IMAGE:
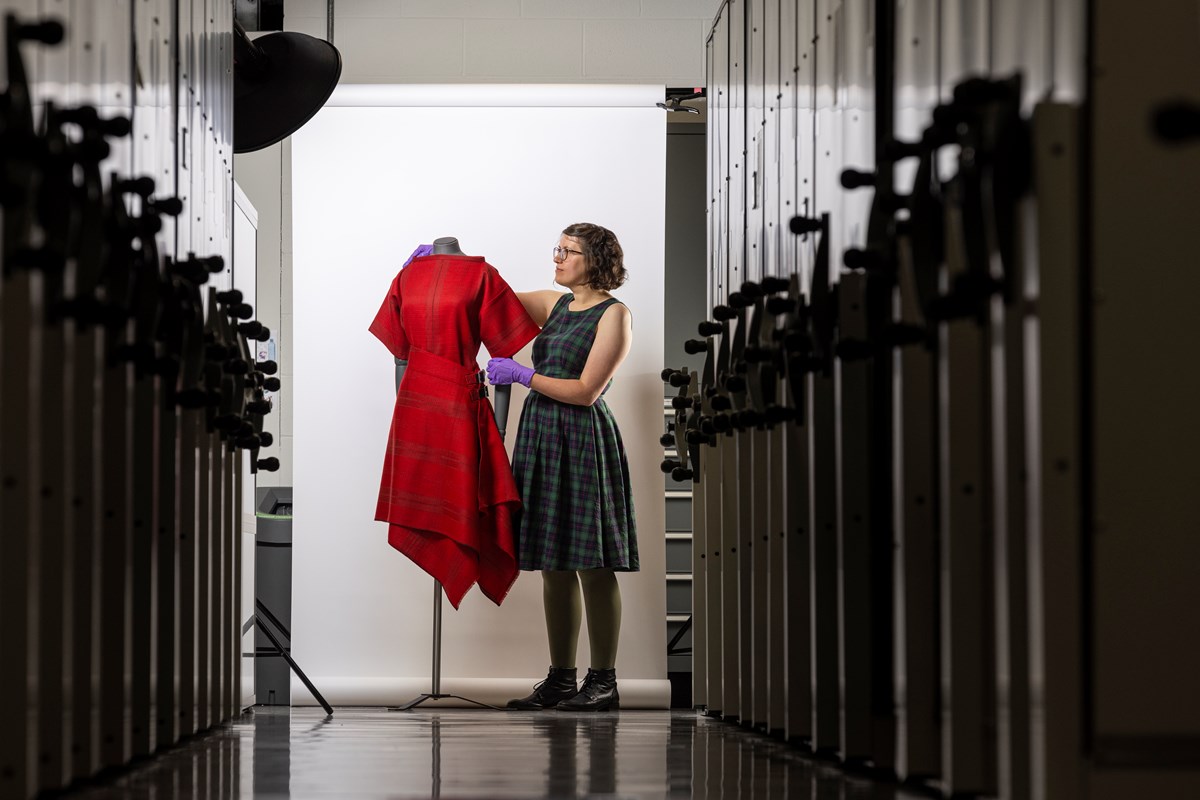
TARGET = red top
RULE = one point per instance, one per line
(447, 305)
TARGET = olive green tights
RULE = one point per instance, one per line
(602, 598)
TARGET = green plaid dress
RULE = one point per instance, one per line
(570, 464)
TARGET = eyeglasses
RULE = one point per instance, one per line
(561, 253)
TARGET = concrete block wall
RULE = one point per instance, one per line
(458, 41)
(514, 41)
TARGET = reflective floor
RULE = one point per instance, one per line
(456, 753)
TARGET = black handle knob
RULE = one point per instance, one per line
(147, 224)
(143, 186)
(802, 225)
(229, 423)
(694, 346)
(268, 368)
(1177, 121)
(92, 151)
(666, 374)
(724, 313)
(208, 264)
(681, 474)
(895, 150)
(748, 419)
(239, 310)
(722, 423)
(260, 407)
(857, 179)
(709, 328)
(666, 440)
(696, 437)
(974, 91)
(781, 305)
(266, 439)
(86, 117)
(167, 206)
(255, 331)
(268, 464)
(236, 366)
(680, 378)
(272, 384)
(735, 383)
(739, 301)
(946, 119)
(720, 402)
(679, 403)
(775, 284)
(752, 290)
(229, 297)
(668, 465)
(48, 31)
(868, 259)
(114, 127)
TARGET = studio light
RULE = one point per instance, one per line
(280, 81)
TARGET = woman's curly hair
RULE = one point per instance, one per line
(602, 255)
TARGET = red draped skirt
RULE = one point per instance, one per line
(447, 490)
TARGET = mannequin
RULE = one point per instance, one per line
(442, 443)
(444, 257)
(447, 245)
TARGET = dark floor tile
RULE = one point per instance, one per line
(458, 753)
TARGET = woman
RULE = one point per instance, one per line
(577, 526)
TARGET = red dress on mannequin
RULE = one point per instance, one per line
(447, 490)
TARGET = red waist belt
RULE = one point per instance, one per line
(447, 489)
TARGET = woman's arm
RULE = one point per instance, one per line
(539, 304)
(614, 335)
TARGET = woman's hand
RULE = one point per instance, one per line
(503, 371)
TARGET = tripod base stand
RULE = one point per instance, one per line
(261, 611)
(421, 698)
(436, 693)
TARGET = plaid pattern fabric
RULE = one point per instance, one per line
(446, 490)
(569, 463)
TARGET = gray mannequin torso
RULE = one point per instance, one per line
(447, 245)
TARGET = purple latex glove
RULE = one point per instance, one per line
(422, 250)
(501, 371)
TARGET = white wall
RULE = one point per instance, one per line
(504, 169)
(510, 41)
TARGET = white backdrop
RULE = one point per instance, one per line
(504, 169)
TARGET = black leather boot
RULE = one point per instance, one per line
(558, 686)
(598, 693)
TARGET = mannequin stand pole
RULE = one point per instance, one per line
(436, 693)
(501, 411)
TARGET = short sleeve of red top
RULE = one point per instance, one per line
(448, 305)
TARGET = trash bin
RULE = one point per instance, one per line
(273, 589)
